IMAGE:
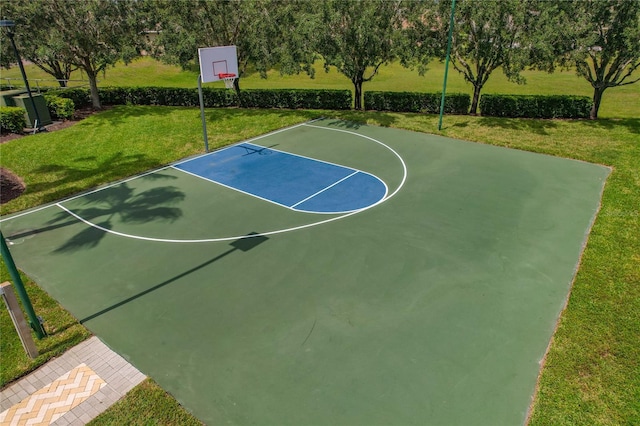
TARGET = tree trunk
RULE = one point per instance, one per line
(236, 89)
(357, 84)
(93, 87)
(476, 98)
(597, 98)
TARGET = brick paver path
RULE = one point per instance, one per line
(71, 389)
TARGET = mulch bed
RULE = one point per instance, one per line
(11, 186)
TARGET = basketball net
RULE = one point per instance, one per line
(228, 79)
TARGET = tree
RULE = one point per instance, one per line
(357, 37)
(262, 31)
(486, 36)
(33, 41)
(603, 43)
(93, 34)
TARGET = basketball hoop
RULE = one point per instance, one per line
(228, 79)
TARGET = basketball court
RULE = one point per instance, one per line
(328, 273)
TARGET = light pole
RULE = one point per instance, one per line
(9, 24)
(34, 321)
(446, 64)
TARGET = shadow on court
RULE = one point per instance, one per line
(119, 203)
(84, 168)
(123, 203)
(251, 240)
(434, 307)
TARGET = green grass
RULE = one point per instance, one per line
(591, 371)
(121, 142)
(590, 375)
(618, 102)
(146, 404)
(64, 332)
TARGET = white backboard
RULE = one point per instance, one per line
(216, 60)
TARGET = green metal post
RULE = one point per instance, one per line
(22, 293)
(202, 116)
(446, 63)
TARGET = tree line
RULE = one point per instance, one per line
(599, 39)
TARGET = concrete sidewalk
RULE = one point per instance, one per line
(71, 389)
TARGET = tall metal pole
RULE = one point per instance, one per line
(204, 121)
(446, 63)
(19, 286)
(9, 24)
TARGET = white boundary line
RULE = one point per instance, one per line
(208, 240)
(305, 157)
(231, 187)
(326, 188)
(245, 141)
(83, 194)
(404, 166)
(110, 185)
(292, 207)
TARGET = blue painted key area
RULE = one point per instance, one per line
(290, 180)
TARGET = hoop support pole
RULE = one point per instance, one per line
(204, 121)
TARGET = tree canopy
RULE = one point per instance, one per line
(261, 30)
(485, 38)
(34, 41)
(358, 37)
(90, 35)
(603, 43)
(600, 39)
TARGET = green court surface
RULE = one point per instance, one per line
(434, 306)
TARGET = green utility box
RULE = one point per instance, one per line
(24, 102)
(6, 96)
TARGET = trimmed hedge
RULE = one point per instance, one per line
(12, 119)
(535, 106)
(214, 98)
(454, 103)
(60, 108)
(296, 99)
(79, 95)
(148, 96)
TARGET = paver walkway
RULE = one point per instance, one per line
(71, 389)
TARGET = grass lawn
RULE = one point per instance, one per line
(590, 375)
(618, 102)
(64, 332)
(146, 404)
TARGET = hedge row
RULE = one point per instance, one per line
(297, 99)
(525, 106)
(12, 119)
(251, 98)
(455, 103)
(535, 106)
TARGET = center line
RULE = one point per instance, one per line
(324, 189)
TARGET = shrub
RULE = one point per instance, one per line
(455, 103)
(217, 98)
(213, 98)
(296, 99)
(60, 108)
(81, 97)
(535, 106)
(12, 119)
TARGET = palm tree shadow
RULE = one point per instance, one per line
(87, 238)
(121, 203)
